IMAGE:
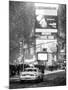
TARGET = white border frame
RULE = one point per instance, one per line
(4, 43)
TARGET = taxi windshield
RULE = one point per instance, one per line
(30, 70)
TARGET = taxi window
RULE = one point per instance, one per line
(31, 70)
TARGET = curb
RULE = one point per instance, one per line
(51, 72)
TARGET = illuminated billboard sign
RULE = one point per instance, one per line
(46, 22)
(46, 12)
(42, 56)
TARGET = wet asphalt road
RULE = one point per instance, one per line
(56, 79)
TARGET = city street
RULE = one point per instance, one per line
(37, 45)
(53, 79)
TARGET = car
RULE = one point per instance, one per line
(31, 74)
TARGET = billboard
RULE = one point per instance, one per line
(42, 56)
(49, 12)
(46, 22)
(45, 31)
(50, 45)
(43, 41)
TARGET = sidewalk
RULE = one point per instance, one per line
(46, 72)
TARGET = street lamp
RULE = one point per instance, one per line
(22, 51)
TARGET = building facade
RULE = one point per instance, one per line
(46, 29)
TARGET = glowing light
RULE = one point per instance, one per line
(39, 17)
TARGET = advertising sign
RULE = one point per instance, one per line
(46, 12)
(42, 56)
(46, 22)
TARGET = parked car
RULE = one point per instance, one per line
(31, 74)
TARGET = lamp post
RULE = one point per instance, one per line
(22, 52)
(23, 55)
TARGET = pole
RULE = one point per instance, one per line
(23, 55)
(22, 52)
